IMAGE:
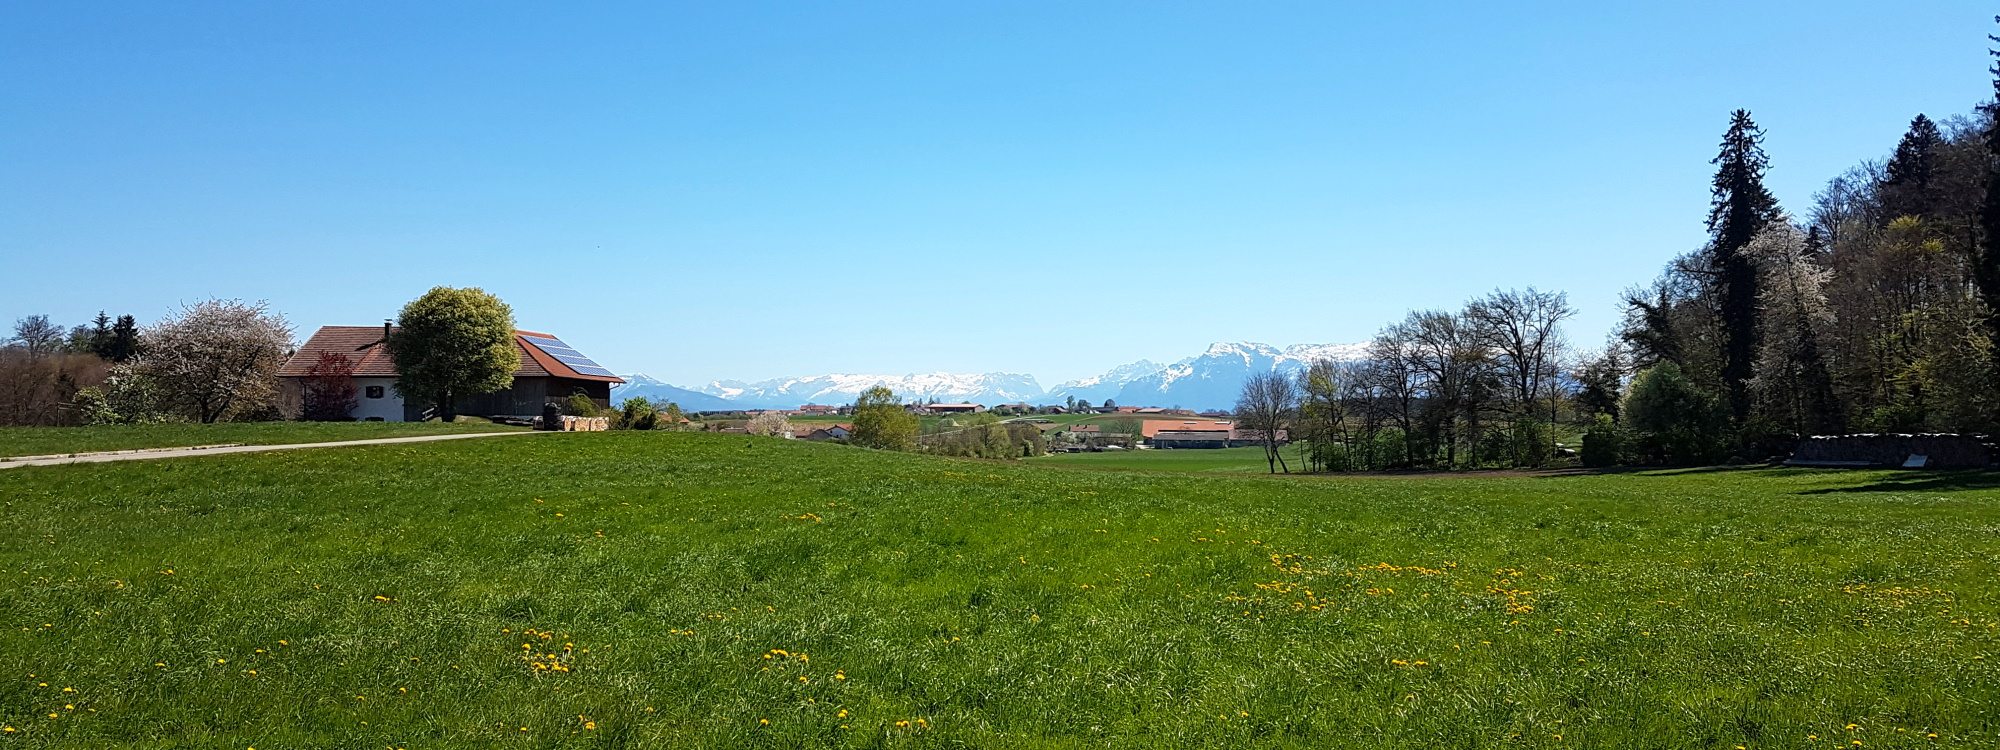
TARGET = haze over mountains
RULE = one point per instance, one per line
(1206, 381)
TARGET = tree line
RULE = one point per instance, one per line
(206, 362)
(1871, 310)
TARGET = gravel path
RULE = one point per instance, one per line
(153, 453)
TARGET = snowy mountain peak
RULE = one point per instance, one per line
(1238, 349)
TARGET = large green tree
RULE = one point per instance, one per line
(880, 421)
(1740, 208)
(453, 342)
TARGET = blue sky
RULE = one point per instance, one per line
(748, 190)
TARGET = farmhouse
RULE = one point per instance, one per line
(550, 371)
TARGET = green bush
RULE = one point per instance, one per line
(1675, 421)
(1604, 444)
(637, 414)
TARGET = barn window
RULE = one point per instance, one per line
(374, 391)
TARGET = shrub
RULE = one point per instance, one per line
(36, 389)
(1676, 421)
(1604, 444)
(637, 414)
(327, 391)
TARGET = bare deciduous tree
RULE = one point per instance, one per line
(1265, 407)
(37, 336)
(216, 358)
(1524, 328)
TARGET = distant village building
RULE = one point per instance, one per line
(1191, 439)
(1154, 427)
(818, 410)
(955, 408)
(821, 432)
(550, 371)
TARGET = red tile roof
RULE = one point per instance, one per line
(362, 344)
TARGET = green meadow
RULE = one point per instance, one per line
(1237, 460)
(676, 590)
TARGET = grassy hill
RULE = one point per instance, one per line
(674, 590)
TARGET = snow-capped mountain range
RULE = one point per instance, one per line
(790, 393)
(1210, 380)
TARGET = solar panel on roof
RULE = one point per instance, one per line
(567, 355)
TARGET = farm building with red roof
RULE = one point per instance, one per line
(550, 371)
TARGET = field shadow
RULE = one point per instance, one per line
(1921, 481)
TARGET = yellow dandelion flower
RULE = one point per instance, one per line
(763, 721)
(590, 725)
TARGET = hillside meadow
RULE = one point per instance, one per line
(671, 590)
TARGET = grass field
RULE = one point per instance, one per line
(669, 590)
(1237, 460)
(35, 441)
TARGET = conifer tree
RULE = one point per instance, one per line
(124, 340)
(1909, 187)
(1740, 208)
(1986, 269)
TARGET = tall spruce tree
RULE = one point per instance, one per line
(1740, 208)
(124, 343)
(1986, 268)
(1908, 186)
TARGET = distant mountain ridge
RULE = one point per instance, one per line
(1213, 379)
(840, 388)
(639, 385)
(1206, 381)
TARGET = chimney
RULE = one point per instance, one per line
(385, 331)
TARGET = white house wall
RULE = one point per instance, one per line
(387, 408)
